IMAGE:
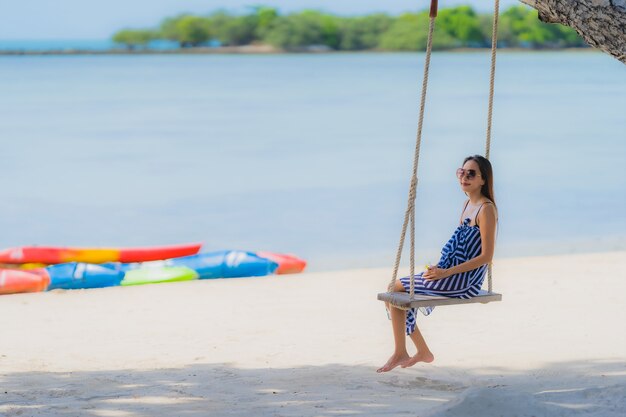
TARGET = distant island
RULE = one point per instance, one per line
(457, 27)
(266, 30)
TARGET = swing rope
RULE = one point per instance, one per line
(492, 77)
(409, 216)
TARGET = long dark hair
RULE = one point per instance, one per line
(487, 174)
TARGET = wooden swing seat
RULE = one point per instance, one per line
(404, 300)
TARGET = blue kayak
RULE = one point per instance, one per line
(73, 276)
(222, 264)
(226, 264)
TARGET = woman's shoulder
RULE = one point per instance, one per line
(487, 209)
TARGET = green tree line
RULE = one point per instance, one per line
(456, 27)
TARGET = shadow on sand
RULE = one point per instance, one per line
(589, 388)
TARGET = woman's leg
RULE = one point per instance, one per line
(398, 320)
(423, 352)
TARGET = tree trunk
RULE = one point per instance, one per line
(601, 23)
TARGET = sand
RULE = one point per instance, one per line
(309, 345)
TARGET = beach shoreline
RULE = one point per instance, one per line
(309, 345)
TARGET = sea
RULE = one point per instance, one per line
(309, 154)
(68, 45)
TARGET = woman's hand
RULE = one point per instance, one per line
(434, 273)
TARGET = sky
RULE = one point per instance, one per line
(99, 19)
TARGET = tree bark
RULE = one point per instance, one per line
(601, 23)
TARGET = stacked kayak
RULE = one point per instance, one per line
(73, 276)
(228, 264)
(158, 275)
(287, 264)
(142, 266)
(14, 281)
(57, 255)
(222, 264)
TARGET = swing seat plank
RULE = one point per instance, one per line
(403, 299)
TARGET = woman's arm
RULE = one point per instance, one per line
(487, 222)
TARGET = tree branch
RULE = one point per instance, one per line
(601, 23)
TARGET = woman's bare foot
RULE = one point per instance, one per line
(426, 357)
(395, 360)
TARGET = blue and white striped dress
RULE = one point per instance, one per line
(465, 244)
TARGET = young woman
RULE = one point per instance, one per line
(461, 269)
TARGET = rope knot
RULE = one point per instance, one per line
(413, 189)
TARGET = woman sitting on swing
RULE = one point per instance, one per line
(461, 269)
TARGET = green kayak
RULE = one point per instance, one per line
(156, 275)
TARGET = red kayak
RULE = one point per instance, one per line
(14, 281)
(287, 264)
(57, 255)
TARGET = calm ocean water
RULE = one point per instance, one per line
(309, 154)
(72, 44)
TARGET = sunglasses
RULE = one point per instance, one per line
(469, 174)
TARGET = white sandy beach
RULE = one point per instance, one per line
(309, 345)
